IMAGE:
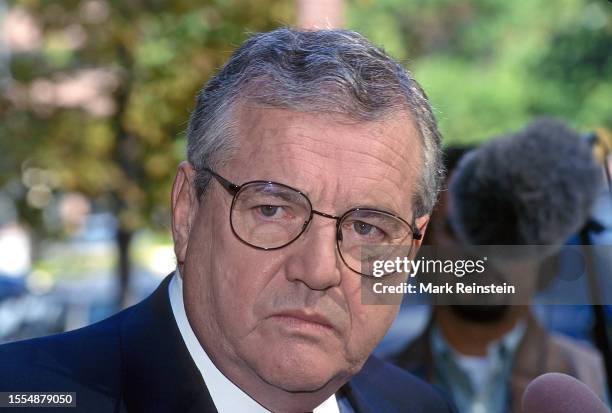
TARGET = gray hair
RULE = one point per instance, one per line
(320, 71)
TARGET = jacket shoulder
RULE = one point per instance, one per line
(585, 363)
(87, 358)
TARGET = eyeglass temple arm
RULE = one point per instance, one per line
(229, 187)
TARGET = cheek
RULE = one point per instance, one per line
(369, 324)
(221, 276)
(241, 277)
(225, 280)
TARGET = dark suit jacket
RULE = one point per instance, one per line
(136, 361)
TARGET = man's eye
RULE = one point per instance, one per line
(362, 228)
(365, 229)
(269, 210)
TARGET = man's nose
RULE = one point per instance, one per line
(315, 260)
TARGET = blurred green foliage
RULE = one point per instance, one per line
(491, 66)
(153, 56)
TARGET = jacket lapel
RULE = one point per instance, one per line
(357, 399)
(159, 374)
(367, 394)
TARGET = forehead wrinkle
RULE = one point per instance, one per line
(370, 132)
(347, 173)
(300, 156)
(393, 174)
(381, 133)
(376, 198)
(343, 155)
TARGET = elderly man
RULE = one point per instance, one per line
(306, 147)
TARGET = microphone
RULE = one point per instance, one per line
(533, 187)
(560, 393)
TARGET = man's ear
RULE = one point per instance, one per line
(184, 208)
(421, 224)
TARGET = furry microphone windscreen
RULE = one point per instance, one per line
(534, 187)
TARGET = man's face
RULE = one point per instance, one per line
(292, 317)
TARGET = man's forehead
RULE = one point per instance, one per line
(304, 148)
(272, 131)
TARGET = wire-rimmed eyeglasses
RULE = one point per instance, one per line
(269, 215)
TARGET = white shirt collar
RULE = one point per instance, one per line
(228, 397)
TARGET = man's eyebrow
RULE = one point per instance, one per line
(283, 193)
(384, 207)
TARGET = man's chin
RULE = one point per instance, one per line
(299, 371)
(298, 383)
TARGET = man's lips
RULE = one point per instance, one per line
(303, 319)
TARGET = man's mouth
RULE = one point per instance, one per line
(303, 320)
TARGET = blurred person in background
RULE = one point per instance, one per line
(533, 187)
(439, 228)
(305, 147)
